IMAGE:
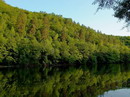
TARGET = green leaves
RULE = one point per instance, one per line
(29, 52)
(121, 8)
(31, 38)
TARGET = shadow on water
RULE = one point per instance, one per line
(63, 82)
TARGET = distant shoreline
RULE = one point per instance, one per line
(7, 66)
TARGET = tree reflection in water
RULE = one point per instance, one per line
(59, 82)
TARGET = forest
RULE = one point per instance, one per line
(37, 38)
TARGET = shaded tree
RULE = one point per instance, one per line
(121, 8)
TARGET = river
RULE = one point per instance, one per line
(101, 81)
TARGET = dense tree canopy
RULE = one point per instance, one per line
(121, 8)
(31, 38)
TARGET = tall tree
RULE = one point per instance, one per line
(21, 22)
(45, 28)
(32, 28)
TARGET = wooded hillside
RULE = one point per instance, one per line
(33, 38)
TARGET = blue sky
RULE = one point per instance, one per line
(81, 11)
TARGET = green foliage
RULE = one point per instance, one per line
(31, 38)
(121, 8)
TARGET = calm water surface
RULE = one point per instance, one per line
(107, 81)
(117, 93)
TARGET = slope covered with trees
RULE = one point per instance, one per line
(32, 38)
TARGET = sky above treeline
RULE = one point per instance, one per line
(82, 11)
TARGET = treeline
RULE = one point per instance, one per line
(32, 38)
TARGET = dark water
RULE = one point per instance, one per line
(100, 81)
